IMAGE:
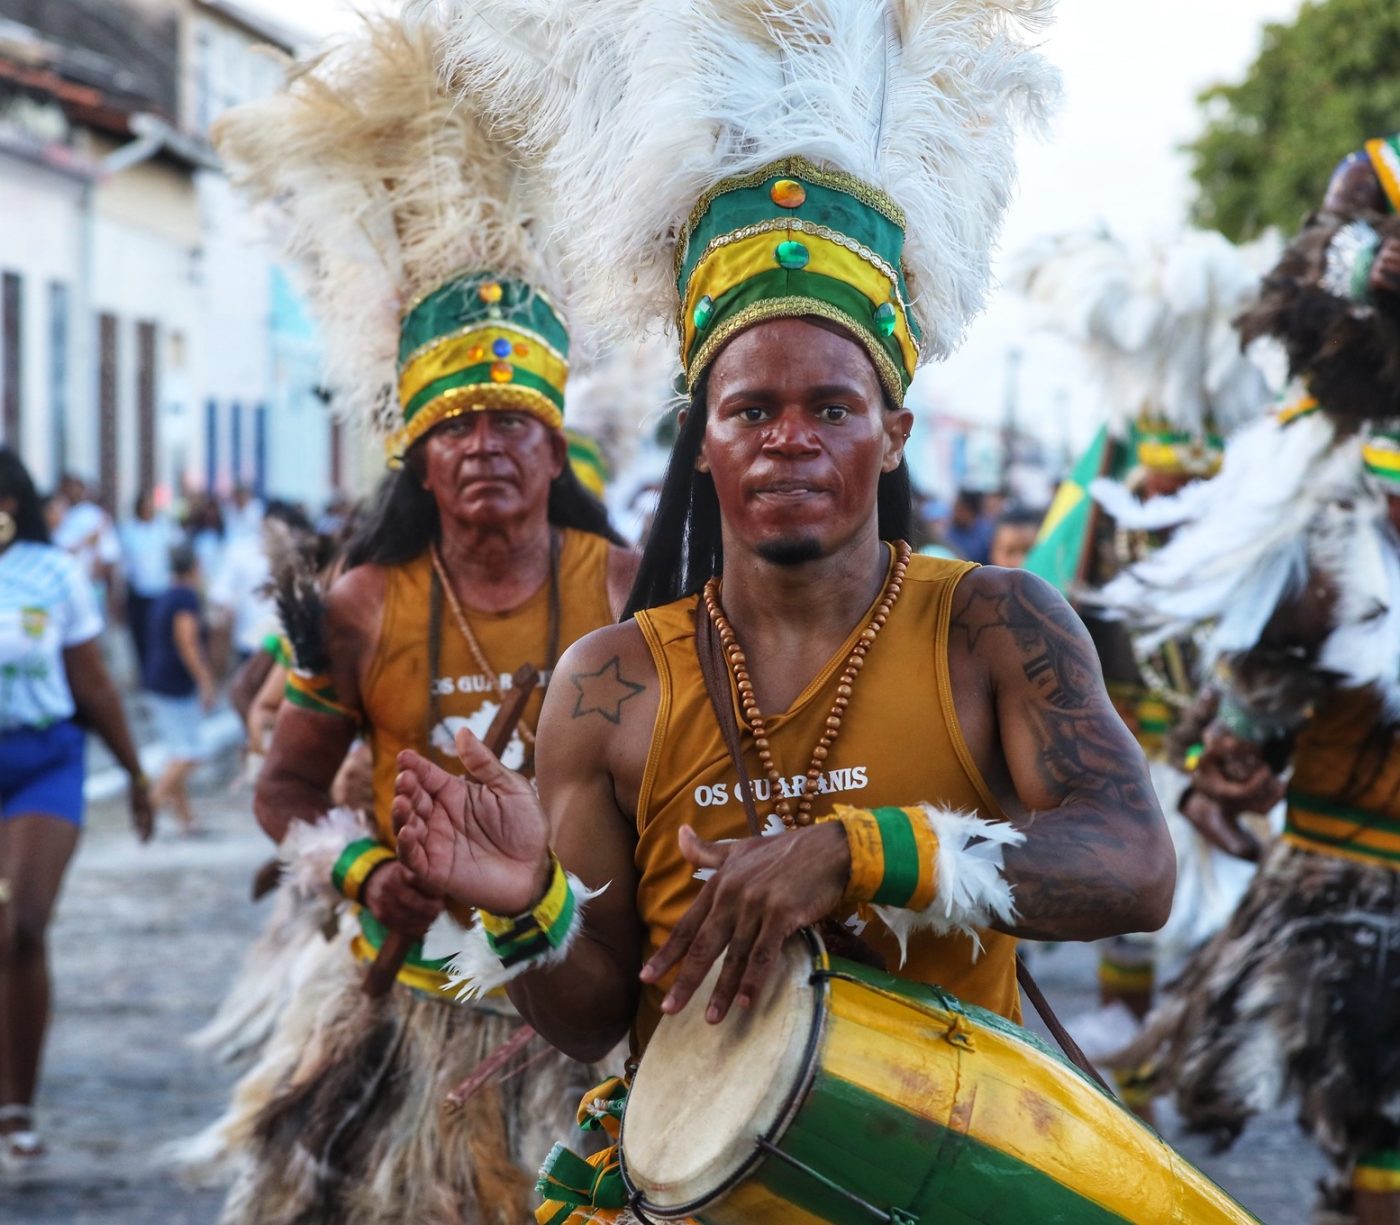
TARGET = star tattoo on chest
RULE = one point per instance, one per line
(604, 691)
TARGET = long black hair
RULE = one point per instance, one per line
(402, 520)
(685, 548)
(15, 482)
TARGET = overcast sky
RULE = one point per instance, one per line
(1132, 71)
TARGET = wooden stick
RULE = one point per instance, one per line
(394, 951)
(489, 1066)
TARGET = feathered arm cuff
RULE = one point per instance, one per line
(928, 868)
(497, 949)
(1350, 256)
(339, 845)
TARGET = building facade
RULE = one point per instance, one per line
(147, 340)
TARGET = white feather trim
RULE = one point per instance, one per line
(1153, 515)
(475, 970)
(1246, 546)
(1362, 555)
(637, 107)
(383, 185)
(309, 850)
(972, 892)
(619, 396)
(1156, 323)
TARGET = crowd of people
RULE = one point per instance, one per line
(562, 818)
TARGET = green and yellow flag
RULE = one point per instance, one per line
(1059, 553)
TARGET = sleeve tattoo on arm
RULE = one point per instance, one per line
(604, 691)
(1083, 756)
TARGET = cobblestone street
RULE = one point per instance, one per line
(147, 938)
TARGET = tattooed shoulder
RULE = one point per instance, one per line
(603, 692)
(1000, 609)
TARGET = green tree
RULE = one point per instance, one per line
(1320, 88)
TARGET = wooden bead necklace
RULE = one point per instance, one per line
(801, 813)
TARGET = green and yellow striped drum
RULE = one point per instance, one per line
(849, 1097)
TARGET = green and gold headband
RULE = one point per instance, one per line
(478, 342)
(789, 240)
(1380, 454)
(1161, 447)
(588, 462)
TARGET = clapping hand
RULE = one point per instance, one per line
(481, 840)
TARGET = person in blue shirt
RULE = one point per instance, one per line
(179, 681)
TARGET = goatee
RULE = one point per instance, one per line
(797, 551)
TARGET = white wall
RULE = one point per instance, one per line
(40, 244)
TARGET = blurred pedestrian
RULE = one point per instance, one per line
(86, 532)
(970, 528)
(204, 526)
(244, 515)
(52, 679)
(240, 589)
(180, 682)
(146, 540)
(1012, 538)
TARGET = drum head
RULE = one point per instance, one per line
(704, 1094)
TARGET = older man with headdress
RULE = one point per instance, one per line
(421, 247)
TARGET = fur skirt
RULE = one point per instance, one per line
(343, 1117)
(1296, 998)
(291, 945)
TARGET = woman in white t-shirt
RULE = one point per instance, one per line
(52, 678)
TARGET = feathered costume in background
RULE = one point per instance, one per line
(1299, 996)
(418, 243)
(719, 163)
(1155, 326)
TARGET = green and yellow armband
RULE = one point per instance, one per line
(894, 856)
(538, 932)
(315, 692)
(497, 949)
(355, 864)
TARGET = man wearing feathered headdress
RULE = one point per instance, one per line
(810, 192)
(420, 244)
(1288, 569)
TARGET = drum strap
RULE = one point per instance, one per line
(715, 671)
(1056, 1027)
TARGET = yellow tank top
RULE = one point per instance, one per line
(899, 744)
(395, 695)
(1344, 796)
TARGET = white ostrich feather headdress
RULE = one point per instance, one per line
(894, 119)
(417, 238)
(1156, 324)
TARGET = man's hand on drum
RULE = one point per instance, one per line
(482, 840)
(762, 891)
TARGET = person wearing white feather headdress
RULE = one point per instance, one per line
(809, 193)
(1155, 326)
(1289, 570)
(421, 246)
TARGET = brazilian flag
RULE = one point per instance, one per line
(1059, 554)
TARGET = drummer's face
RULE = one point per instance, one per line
(797, 435)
